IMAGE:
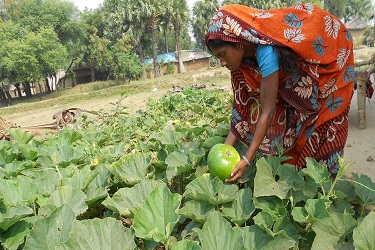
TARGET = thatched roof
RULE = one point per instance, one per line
(356, 24)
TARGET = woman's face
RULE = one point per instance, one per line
(229, 56)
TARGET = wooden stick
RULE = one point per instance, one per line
(361, 98)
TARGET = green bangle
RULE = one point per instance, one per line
(246, 160)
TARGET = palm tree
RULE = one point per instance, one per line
(126, 16)
(151, 11)
(203, 11)
(259, 4)
(178, 11)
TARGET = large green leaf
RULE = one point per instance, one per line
(211, 189)
(285, 227)
(196, 155)
(264, 221)
(8, 153)
(66, 154)
(79, 178)
(240, 210)
(70, 135)
(364, 188)
(303, 189)
(127, 200)
(272, 205)
(15, 235)
(196, 210)
(107, 233)
(300, 215)
(52, 230)
(168, 136)
(186, 245)
(66, 195)
(20, 136)
(267, 182)
(318, 208)
(97, 188)
(95, 195)
(157, 217)
(15, 168)
(218, 234)
(132, 169)
(12, 193)
(317, 171)
(332, 230)
(178, 162)
(212, 141)
(46, 180)
(281, 242)
(255, 238)
(11, 215)
(30, 152)
(364, 234)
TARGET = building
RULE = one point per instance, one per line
(191, 59)
(357, 28)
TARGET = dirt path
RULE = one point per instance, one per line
(360, 146)
(45, 116)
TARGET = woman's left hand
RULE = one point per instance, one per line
(238, 171)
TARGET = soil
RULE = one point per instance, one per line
(360, 147)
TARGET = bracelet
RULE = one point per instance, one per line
(246, 160)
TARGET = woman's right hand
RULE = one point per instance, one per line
(238, 171)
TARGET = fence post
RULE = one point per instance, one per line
(361, 98)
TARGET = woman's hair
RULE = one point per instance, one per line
(288, 59)
(217, 44)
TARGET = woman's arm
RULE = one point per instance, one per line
(268, 98)
(231, 139)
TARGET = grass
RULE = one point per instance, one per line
(105, 89)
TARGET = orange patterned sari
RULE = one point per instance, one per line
(311, 117)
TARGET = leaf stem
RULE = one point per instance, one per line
(362, 209)
(358, 183)
(58, 170)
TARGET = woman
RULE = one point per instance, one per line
(292, 74)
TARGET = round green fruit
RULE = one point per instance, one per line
(222, 159)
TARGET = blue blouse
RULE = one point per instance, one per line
(267, 59)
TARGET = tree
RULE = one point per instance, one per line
(96, 51)
(259, 4)
(10, 9)
(97, 54)
(127, 65)
(178, 11)
(126, 16)
(59, 14)
(335, 7)
(152, 9)
(203, 11)
(357, 8)
(28, 56)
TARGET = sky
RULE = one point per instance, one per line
(92, 4)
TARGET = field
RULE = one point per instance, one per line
(135, 173)
(360, 148)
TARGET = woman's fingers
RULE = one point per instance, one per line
(237, 171)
